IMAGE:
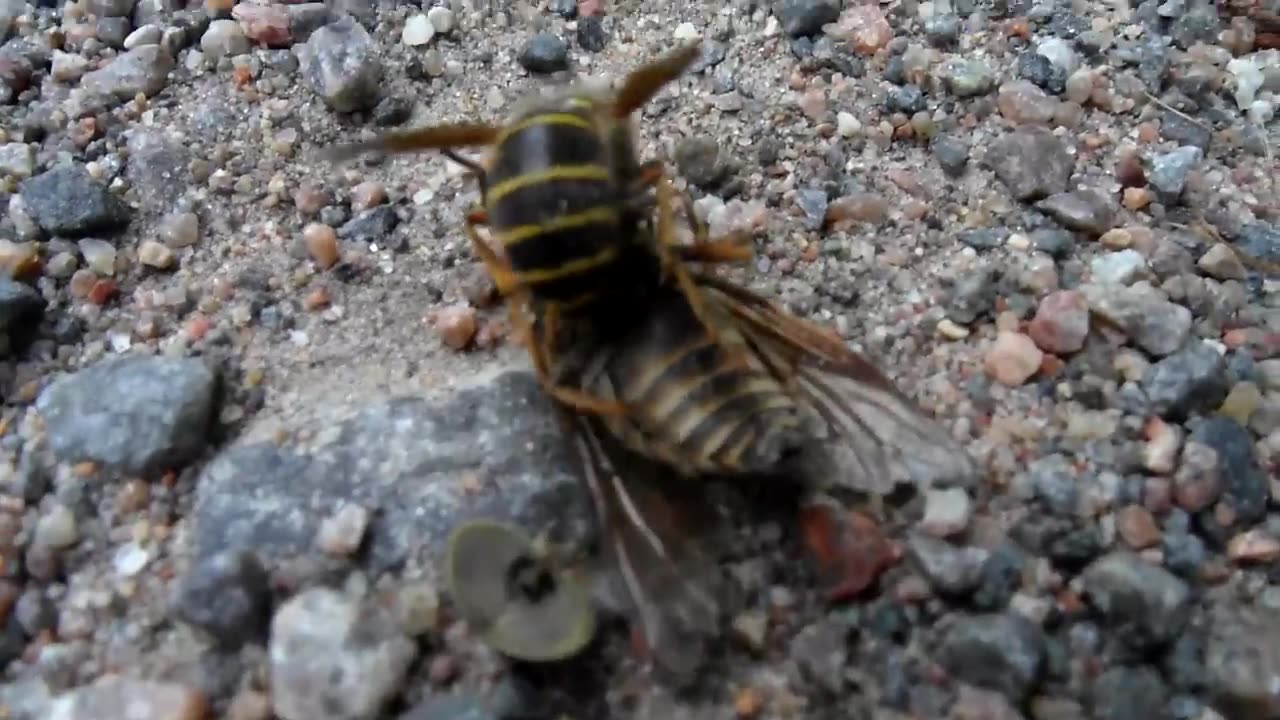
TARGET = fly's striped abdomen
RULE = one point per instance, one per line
(552, 203)
(693, 401)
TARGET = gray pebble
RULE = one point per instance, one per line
(1124, 693)
(227, 596)
(951, 152)
(1085, 210)
(1145, 605)
(341, 62)
(67, 201)
(1168, 172)
(1003, 652)
(803, 18)
(814, 204)
(1188, 381)
(370, 226)
(138, 414)
(335, 656)
(953, 572)
(544, 53)
(144, 70)
(1032, 162)
(592, 37)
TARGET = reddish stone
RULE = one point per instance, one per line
(849, 548)
(265, 24)
(1061, 323)
(101, 292)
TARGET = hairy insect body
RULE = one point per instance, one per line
(698, 401)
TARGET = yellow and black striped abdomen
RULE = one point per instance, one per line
(693, 401)
(553, 203)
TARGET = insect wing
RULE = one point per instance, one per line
(875, 436)
(669, 581)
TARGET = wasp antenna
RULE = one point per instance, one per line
(645, 82)
(438, 137)
(346, 152)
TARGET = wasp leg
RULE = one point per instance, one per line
(732, 247)
(503, 277)
(482, 178)
(672, 263)
(719, 250)
(542, 351)
(509, 286)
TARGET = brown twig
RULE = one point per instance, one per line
(1176, 111)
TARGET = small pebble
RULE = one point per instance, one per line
(1221, 263)
(1061, 323)
(341, 533)
(441, 19)
(751, 629)
(322, 244)
(179, 230)
(1013, 358)
(946, 512)
(367, 195)
(456, 326)
(1160, 453)
(156, 254)
(57, 528)
(847, 125)
(417, 31)
(687, 31)
(1137, 527)
(1253, 546)
(952, 331)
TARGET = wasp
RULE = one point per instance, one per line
(560, 191)
(761, 393)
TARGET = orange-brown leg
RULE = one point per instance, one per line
(672, 262)
(542, 350)
(733, 247)
(503, 277)
(509, 286)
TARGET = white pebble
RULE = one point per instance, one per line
(145, 35)
(847, 125)
(67, 67)
(130, 559)
(56, 529)
(686, 31)
(1261, 112)
(99, 255)
(1249, 79)
(1059, 54)
(180, 230)
(195, 61)
(224, 38)
(441, 19)
(418, 31)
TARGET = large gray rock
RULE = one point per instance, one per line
(421, 465)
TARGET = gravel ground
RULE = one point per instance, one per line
(247, 394)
